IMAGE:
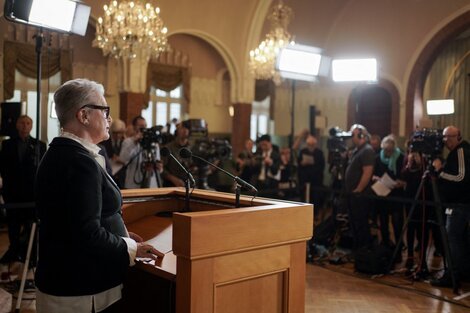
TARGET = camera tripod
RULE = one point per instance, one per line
(429, 175)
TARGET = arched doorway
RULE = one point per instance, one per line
(376, 107)
(373, 107)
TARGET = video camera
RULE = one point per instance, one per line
(336, 142)
(211, 149)
(337, 147)
(428, 142)
(153, 136)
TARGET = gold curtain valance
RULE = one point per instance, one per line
(168, 77)
(23, 57)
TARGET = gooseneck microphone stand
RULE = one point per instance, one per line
(186, 154)
(189, 177)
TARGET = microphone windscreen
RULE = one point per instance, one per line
(164, 152)
(185, 153)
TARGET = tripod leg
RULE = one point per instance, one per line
(405, 225)
(444, 237)
(26, 266)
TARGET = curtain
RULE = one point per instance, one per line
(168, 77)
(448, 78)
(23, 57)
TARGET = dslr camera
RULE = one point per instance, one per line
(428, 142)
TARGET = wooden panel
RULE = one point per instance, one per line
(297, 277)
(251, 263)
(265, 294)
(194, 287)
(200, 234)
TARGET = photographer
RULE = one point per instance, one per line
(357, 181)
(454, 183)
(266, 167)
(140, 172)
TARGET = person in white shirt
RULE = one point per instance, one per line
(141, 172)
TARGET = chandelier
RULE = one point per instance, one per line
(263, 59)
(130, 28)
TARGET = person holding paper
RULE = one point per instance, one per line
(388, 166)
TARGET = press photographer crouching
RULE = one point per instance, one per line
(454, 183)
(141, 155)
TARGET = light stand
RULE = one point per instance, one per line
(292, 132)
(297, 62)
(65, 16)
(70, 17)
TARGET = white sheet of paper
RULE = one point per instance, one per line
(384, 185)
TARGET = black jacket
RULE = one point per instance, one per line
(454, 180)
(18, 174)
(81, 251)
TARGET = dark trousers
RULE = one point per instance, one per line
(457, 228)
(392, 209)
(19, 222)
(358, 210)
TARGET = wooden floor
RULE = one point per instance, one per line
(330, 288)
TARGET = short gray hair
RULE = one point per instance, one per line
(74, 94)
(389, 141)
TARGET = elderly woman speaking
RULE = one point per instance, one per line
(84, 246)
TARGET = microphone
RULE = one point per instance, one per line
(185, 153)
(166, 152)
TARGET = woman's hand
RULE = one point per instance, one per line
(144, 250)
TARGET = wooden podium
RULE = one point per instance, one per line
(218, 259)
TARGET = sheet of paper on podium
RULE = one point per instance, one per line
(384, 185)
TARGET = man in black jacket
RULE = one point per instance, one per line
(19, 160)
(454, 183)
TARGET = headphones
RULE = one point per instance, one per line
(360, 134)
(362, 131)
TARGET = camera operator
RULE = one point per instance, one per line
(172, 171)
(454, 183)
(140, 173)
(357, 181)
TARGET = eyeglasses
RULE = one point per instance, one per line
(449, 136)
(105, 109)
